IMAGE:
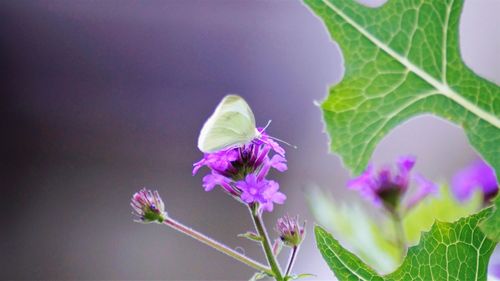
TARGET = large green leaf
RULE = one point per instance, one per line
(458, 251)
(401, 60)
(491, 224)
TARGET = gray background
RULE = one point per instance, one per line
(100, 98)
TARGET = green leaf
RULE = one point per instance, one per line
(401, 60)
(258, 276)
(299, 276)
(343, 263)
(449, 251)
(251, 236)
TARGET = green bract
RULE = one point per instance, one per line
(401, 60)
(458, 251)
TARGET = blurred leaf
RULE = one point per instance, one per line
(370, 237)
(449, 251)
(443, 207)
(354, 226)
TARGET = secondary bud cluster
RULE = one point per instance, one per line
(148, 206)
(290, 231)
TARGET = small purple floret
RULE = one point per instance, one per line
(261, 191)
(476, 176)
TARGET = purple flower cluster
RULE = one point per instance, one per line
(478, 175)
(241, 171)
(386, 187)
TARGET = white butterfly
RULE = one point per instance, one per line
(231, 124)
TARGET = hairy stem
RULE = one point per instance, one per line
(217, 246)
(261, 230)
(291, 261)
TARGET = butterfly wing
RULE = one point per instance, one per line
(232, 123)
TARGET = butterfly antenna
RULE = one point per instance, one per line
(276, 139)
(263, 129)
(282, 141)
(267, 125)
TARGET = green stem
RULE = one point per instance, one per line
(217, 246)
(291, 261)
(400, 234)
(261, 230)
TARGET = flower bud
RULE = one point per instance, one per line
(148, 206)
(290, 232)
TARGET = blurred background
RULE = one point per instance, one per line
(100, 98)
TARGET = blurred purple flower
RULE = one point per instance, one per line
(386, 187)
(494, 269)
(241, 171)
(478, 175)
(148, 206)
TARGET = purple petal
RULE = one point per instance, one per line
(211, 180)
(384, 177)
(425, 188)
(198, 165)
(279, 163)
(279, 198)
(365, 180)
(247, 197)
(264, 170)
(478, 175)
(494, 270)
(406, 163)
(268, 206)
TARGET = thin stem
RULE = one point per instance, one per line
(261, 230)
(217, 246)
(400, 234)
(291, 261)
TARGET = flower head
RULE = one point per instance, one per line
(241, 171)
(386, 187)
(237, 162)
(148, 206)
(290, 231)
(478, 175)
